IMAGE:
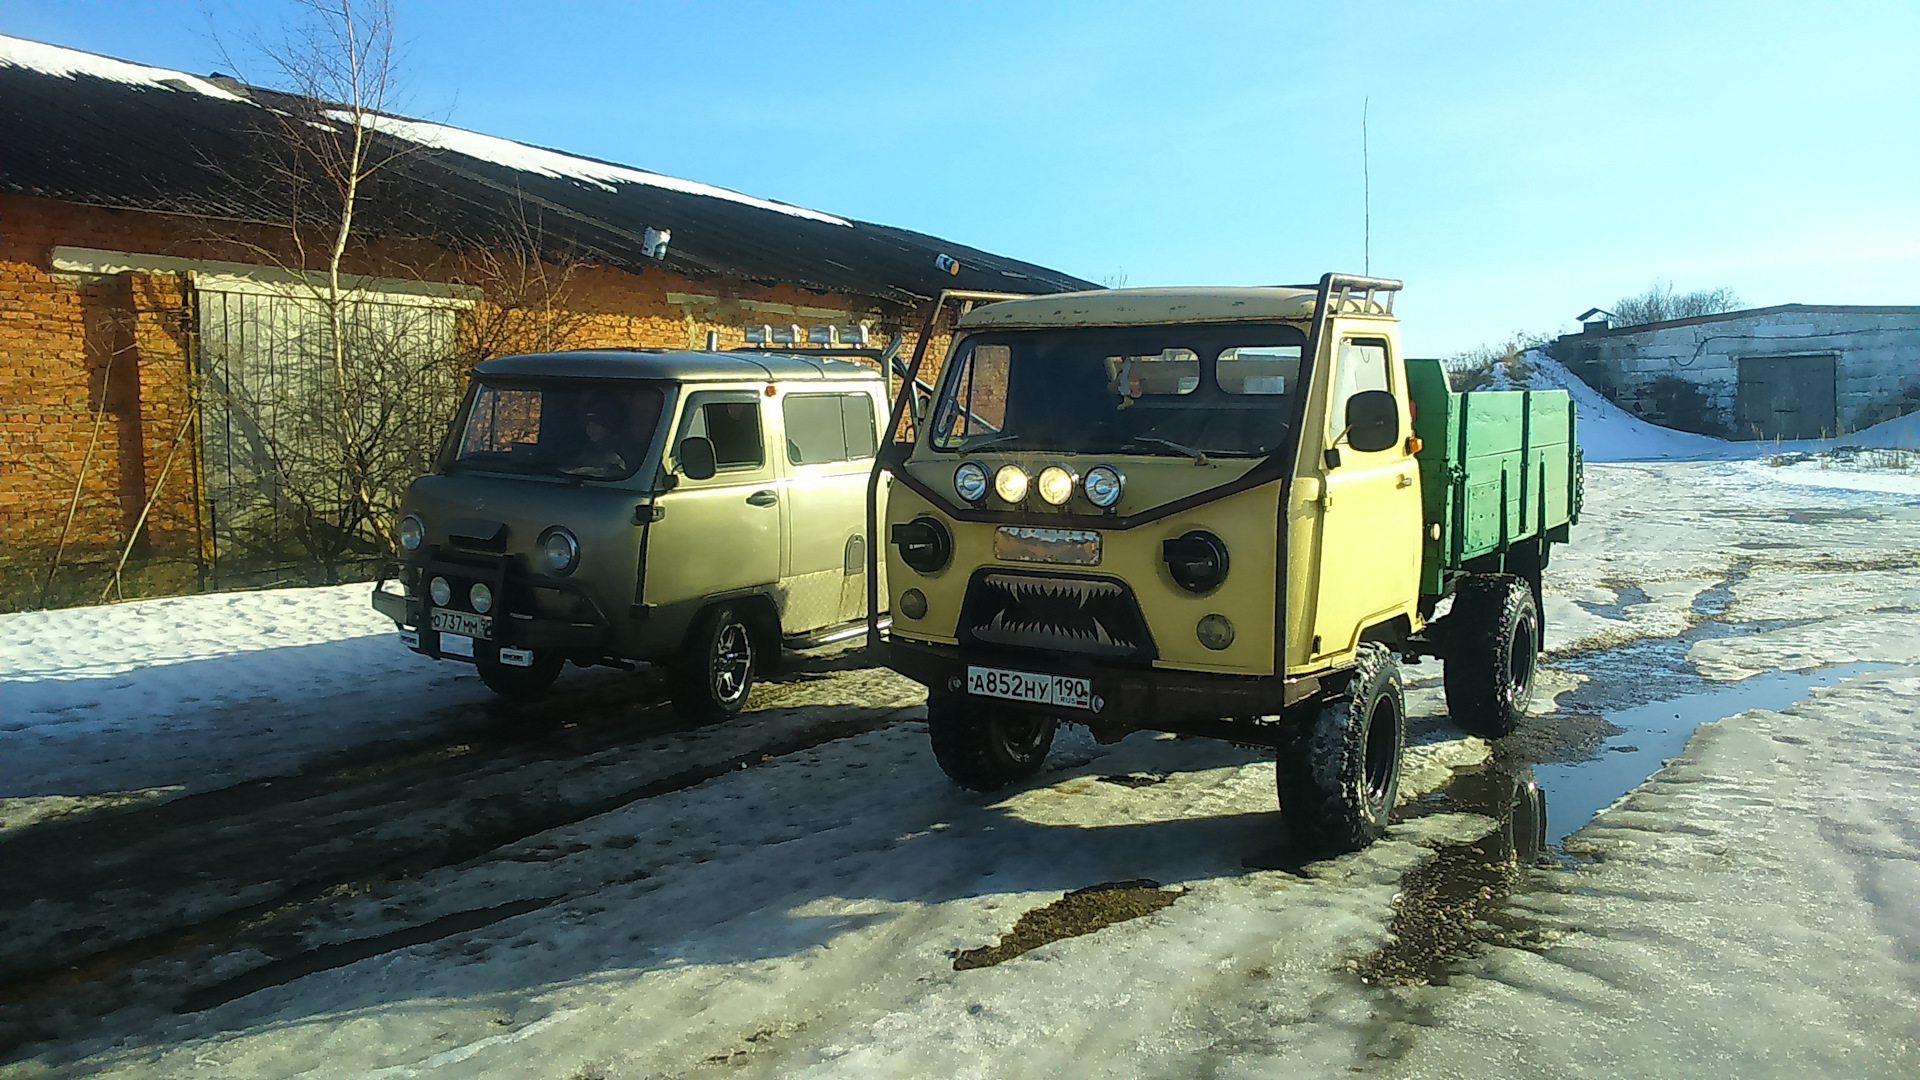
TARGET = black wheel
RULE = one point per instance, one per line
(516, 683)
(1493, 645)
(985, 746)
(715, 670)
(1338, 770)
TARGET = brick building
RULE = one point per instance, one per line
(157, 321)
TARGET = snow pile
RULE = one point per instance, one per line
(535, 159)
(1900, 433)
(1605, 430)
(68, 63)
(202, 691)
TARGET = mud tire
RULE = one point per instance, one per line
(1338, 769)
(985, 746)
(1493, 650)
(516, 683)
(714, 673)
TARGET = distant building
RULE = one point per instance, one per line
(1794, 371)
(156, 326)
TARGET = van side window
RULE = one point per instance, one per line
(734, 429)
(824, 428)
(1361, 365)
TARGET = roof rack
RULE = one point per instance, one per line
(1349, 294)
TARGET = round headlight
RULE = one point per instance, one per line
(1010, 483)
(1056, 485)
(412, 532)
(480, 597)
(559, 551)
(913, 604)
(1214, 631)
(1103, 486)
(970, 481)
(441, 592)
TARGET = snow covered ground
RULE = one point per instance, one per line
(1749, 911)
(343, 864)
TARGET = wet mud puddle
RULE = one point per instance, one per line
(1648, 734)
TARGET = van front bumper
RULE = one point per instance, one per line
(511, 629)
(1239, 707)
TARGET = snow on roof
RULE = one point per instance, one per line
(535, 159)
(67, 63)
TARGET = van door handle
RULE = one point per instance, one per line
(763, 498)
(1405, 481)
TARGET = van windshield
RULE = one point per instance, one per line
(1153, 390)
(596, 431)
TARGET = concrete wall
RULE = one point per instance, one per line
(1685, 374)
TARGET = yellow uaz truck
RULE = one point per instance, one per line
(1227, 512)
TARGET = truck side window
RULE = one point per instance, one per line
(1360, 365)
(734, 429)
(825, 428)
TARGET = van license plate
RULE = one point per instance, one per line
(1025, 686)
(459, 622)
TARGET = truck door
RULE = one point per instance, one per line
(721, 534)
(830, 442)
(1370, 517)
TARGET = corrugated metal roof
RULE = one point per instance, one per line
(88, 129)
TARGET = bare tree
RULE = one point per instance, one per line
(1660, 303)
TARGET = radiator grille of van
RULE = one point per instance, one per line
(1090, 616)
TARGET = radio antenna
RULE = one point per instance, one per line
(1366, 195)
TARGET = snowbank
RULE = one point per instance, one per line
(1606, 431)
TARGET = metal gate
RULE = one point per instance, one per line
(1786, 397)
(282, 438)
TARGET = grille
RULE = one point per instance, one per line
(1090, 616)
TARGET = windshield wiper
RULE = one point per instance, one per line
(1199, 456)
(994, 439)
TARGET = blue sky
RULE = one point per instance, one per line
(1527, 160)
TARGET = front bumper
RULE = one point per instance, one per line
(1126, 698)
(513, 628)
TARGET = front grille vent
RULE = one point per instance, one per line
(1089, 616)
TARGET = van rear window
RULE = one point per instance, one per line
(596, 431)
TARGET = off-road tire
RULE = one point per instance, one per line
(1338, 768)
(713, 674)
(984, 746)
(516, 683)
(1493, 650)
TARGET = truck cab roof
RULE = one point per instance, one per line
(674, 365)
(1145, 307)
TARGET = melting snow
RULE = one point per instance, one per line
(534, 159)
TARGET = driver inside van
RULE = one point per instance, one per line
(601, 419)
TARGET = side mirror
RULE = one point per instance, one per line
(696, 458)
(1373, 421)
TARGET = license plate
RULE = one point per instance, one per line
(1059, 690)
(459, 622)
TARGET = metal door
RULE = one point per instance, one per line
(1786, 397)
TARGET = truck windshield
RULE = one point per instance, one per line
(1155, 390)
(596, 431)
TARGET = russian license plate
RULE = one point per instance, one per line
(459, 622)
(1025, 686)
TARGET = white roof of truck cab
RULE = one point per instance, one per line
(1141, 307)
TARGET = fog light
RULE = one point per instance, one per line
(480, 597)
(1215, 631)
(412, 532)
(1010, 483)
(1056, 485)
(970, 481)
(913, 604)
(441, 592)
